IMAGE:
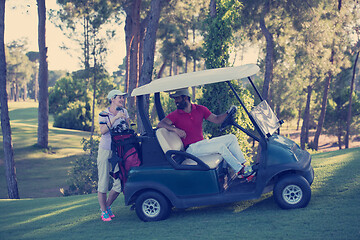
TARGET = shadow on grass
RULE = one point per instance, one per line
(39, 176)
(24, 115)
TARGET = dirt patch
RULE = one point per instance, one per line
(327, 143)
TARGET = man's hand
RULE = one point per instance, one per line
(180, 133)
(233, 106)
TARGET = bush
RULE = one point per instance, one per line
(75, 116)
(65, 91)
(83, 174)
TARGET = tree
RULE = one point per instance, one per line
(134, 29)
(92, 16)
(34, 57)
(19, 69)
(10, 172)
(43, 112)
(220, 22)
(264, 19)
(349, 115)
(179, 27)
(338, 59)
(150, 42)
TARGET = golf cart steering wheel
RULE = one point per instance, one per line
(230, 118)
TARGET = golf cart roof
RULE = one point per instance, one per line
(196, 79)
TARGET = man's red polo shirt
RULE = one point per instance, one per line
(191, 122)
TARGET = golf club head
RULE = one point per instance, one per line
(103, 114)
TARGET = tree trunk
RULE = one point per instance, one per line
(162, 68)
(16, 92)
(132, 59)
(339, 128)
(149, 45)
(304, 135)
(299, 117)
(10, 171)
(323, 112)
(348, 120)
(269, 58)
(213, 8)
(150, 42)
(25, 92)
(43, 112)
(94, 92)
(36, 85)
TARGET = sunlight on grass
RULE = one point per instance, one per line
(328, 166)
(45, 208)
(58, 227)
(242, 206)
(16, 105)
(47, 215)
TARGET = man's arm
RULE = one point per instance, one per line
(217, 119)
(167, 124)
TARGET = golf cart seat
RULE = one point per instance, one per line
(171, 141)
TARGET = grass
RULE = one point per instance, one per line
(333, 212)
(40, 173)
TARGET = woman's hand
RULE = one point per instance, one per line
(120, 114)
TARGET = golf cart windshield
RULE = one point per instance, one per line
(265, 118)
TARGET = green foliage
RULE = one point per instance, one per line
(75, 116)
(338, 106)
(70, 104)
(19, 69)
(69, 99)
(83, 173)
(218, 33)
(219, 97)
(337, 110)
(65, 91)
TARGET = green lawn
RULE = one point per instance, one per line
(39, 173)
(333, 212)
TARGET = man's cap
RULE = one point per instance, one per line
(180, 92)
(114, 93)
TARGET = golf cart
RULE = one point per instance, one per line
(169, 177)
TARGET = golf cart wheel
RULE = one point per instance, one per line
(152, 206)
(292, 191)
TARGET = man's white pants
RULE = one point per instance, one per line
(227, 146)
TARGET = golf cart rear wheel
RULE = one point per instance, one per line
(152, 206)
(292, 191)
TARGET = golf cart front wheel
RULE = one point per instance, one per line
(292, 191)
(152, 206)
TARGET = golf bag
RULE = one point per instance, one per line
(125, 154)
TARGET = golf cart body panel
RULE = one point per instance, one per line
(181, 180)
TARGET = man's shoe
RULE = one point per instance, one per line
(251, 177)
(105, 216)
(245, 172)
(108, 209)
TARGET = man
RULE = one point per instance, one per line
(187, 121)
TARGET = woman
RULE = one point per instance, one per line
(117, 115)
